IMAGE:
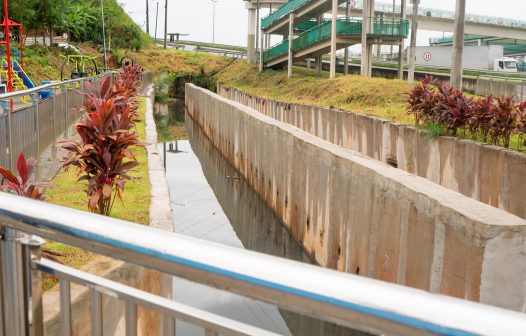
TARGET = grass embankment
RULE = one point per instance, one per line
(161, 61)
(384, 98)
(66, 191)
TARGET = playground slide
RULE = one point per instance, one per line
(22, 74)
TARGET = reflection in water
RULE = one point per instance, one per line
(210, 201)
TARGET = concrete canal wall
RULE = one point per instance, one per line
(362, 216)
(490, 174)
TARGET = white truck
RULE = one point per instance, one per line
(490, 58)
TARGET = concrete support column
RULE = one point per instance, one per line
(318, 60)
(261, 50)
(333, 38)
(346, 53)
(308, 63)
(412, 47)
(458, 44)
(291, 36)
(366, 47)
(251, 37)
(403, 15)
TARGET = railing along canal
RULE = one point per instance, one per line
(31, 120)
(346, 299)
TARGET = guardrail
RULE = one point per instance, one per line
(342, 298)
(32, 128)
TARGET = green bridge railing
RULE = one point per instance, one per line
(381, 27)
(284, 10)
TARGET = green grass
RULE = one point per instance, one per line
(380, 97)
(66, 191)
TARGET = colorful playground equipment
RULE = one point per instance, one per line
(12, 60)
(79, 66)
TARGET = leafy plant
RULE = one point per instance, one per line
(504, 121)
(102, 156)
(21, 185)
(451, 108)
(480, 118)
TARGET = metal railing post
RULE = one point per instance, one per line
(96, 312)
(13, 282)
(10, 138)
(33, 285)
(2, 323)
(65, 307)
(65, 92)
(34, 100)
(168, 325)
(54, 96)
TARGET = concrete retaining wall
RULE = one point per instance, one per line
(490, 174)
(358, 215)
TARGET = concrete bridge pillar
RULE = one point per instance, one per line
(458, 44)
(291, 37)
(251, 37)
(333, 38)
(412, 47)
(368, 11)
(403, 15)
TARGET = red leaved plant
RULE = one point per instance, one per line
(102, 156)
(21, 185)
(505, 120)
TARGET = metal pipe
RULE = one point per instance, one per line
(342, 298)
(96, 312)
(131, 319)
(65, 307)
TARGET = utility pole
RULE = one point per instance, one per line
(458, 44)
(147, 18)
(214, 22)
(412, 47)
(156, 20)
(165, 22)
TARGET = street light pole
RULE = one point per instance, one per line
(104, 36)
(147, 18)
(214, 22)
(165, 22)
(156, 20)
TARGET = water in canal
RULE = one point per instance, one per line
(211, 201)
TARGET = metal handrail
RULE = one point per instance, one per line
(346, 299)
(37, 89)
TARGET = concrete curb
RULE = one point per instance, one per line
(160, 206)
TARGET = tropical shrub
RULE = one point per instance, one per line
(103, 155)
(440, 104)
(504, 121)
(21, 185)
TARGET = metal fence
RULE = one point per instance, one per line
(31, 120)
(358, 302)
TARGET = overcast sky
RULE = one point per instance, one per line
(195, 16)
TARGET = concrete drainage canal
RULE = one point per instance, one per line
(211, 201)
